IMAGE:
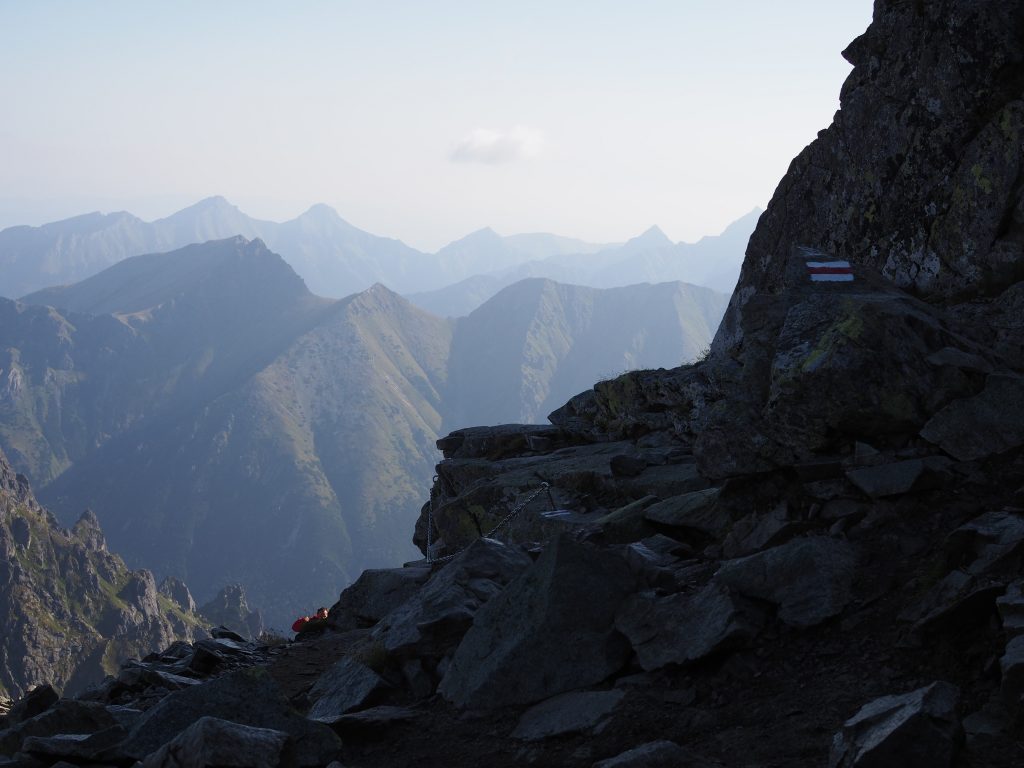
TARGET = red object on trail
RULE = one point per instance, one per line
(300, 623)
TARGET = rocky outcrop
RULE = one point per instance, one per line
(71, 611)
(231, 609)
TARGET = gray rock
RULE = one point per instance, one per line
(757, 531)
(346, 686)
(373, 720)
(685, 627)
(985, 541)
(810, 578)
(551, 630)
(1011, 609)
(574, 712)
(211, 741)
(901, 476)
(991, 422)
(1012, 665)
(77, 746)
(628, 523)
(919, 729)
(223, 633)
(36, 701)
(957, 598)
(654, 754)
(434, 619)
(697, 510)
(375, 594)
(65, 716)
(245, 696)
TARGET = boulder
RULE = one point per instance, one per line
(900, 477)
(376, 593)
(551, 630)
(64, 716)
(212, 741)
(759, 530)
(1012, 666)
(985, 542)
(809, 579)
(957, 599)
(919, 729)
(627, 523)
(1011, 609)
(683, 628)
(653, 754)
(348, 685)
(434, 619)
(73, 746)
(574, 712)
(373, 721)
(247, 697)
(35, 702)
(697, 510)
(986, 424)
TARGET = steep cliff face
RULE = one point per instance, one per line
(917, 187)
(71, 611)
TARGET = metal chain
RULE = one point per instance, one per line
(501, 523)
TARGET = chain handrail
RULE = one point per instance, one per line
(501, 523)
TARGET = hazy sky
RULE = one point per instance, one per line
(418, 120)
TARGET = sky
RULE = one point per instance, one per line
(422, 121)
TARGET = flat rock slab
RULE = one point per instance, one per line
(373, 720)
(568, 713)
(696, 510)
(214, 742)
(987, 539)
(434, 619)
(246, 697)
(654, 754)
(900, 476)
(1011, 609)
(683, 628)
(347, 685)
(550, 631)
(809, 579)
(989, 423)
(919, 729)
(1012, 666)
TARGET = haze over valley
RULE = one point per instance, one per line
(224, 422)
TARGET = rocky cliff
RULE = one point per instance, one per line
(805, 550)
(72, 612)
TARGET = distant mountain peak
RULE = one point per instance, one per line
(214, 204)
(321, 211)
(652, 237)
(484, 235)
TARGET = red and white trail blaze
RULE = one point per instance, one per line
(830, 271)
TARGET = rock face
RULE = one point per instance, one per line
(556, 620)
(920, 728)
(230, 609)
(71, 611)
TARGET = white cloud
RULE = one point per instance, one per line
(495, 147)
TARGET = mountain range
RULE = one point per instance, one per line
(336, 259)
(228, 426)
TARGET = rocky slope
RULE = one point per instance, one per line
(72, 612)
